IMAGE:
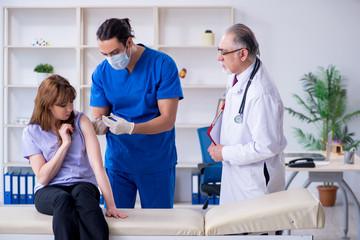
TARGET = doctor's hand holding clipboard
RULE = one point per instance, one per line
(215, 149)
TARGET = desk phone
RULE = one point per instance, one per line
(302, 162)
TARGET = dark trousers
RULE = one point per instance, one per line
(75, 210)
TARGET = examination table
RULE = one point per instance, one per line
(286, 210)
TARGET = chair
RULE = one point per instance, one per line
(210, 170)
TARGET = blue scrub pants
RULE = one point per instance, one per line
(156, 190)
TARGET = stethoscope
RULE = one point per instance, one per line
(239, 118)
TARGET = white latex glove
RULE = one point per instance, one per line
(99, 126)
(119, 126)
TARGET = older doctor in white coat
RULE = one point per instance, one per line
(251, 145)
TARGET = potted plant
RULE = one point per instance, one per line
(208, 38)
(43, 70)
(327, 194)
(325, 106)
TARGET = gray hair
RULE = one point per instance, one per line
(244, 38)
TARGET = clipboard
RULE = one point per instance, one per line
(215, 128)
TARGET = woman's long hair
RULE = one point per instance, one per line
(54, 90)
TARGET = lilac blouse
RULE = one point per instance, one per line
(75, 168)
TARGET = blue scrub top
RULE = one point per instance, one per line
(134, 97)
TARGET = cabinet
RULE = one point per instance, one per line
(72, 50)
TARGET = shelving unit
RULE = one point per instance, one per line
(73, 51)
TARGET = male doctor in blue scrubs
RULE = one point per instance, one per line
(139, 88)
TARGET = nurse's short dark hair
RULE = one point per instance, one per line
(115, 27)
(244, 38)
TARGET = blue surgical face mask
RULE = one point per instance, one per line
(119, 61)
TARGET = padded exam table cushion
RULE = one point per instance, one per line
(286, 210)
(158, 222)
(24, 219)
(291, 209)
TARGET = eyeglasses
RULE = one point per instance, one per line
(222, 53)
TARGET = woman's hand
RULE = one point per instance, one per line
(116, 213)
(64, 133)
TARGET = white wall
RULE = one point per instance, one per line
(295, 38)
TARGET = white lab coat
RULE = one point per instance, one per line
(256, 142)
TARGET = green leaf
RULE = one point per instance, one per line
(324, 104)
(44, 68)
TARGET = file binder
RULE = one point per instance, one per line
(216, 199)
(195, 189)
(7, 188)
(15, 188)
(30, 189)
(22, 189)
(203, 198)
(215, 127)
(101, 202)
